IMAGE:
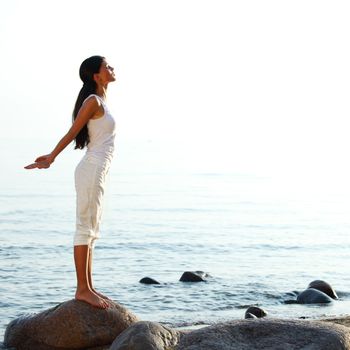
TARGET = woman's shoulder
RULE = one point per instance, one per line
(93, 99)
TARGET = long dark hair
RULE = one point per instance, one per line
(87, 69)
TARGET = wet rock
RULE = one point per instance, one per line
(146, 335)
(324, 287)
(313, 296)
(255, 311)
(194, 276)
(70, 325)
(269, 334)
(294, 295)
(148, 280)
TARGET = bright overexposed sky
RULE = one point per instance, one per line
(250, 85)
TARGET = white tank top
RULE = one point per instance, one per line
(101, 134)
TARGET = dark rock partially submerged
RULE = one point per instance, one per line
(324, 287)
(317, 292)
(194, 276)
(71, 325)
(148, 280)
(255, 312)
(313, 296)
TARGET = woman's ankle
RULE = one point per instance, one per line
(82, 289)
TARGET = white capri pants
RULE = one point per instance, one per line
(90, 176)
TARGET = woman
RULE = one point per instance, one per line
(93, 127)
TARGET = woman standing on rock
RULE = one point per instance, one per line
(93, 127)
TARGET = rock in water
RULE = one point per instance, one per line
(255, 311)
(324, 287)
(148, 280)
(146, 335)
(313, 296)
(73, 324)
(269, 334)
(193, 276)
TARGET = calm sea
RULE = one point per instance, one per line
(260, 237)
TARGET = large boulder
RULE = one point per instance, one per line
(145, 335)
(342, 320)
(323, 287)
(73, 324)
(313, 296)
(267, 334)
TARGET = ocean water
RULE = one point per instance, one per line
(260, 237)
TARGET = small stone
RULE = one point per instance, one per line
(255, 311)
(148, 280)
(193, 276)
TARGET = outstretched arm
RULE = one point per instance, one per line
(87, 110)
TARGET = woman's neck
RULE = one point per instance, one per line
(102, 91)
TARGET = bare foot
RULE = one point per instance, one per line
(91, 298)
(101, 295)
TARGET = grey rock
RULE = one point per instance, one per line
(313, 296)
(193, 276)
(267, 334)
(70, 325)
(148, 280)
(324, 287)
(146, 335)
(342, 320)
(255, 311)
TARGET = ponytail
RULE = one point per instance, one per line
(87, 70)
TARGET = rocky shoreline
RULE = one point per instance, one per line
(77, 325)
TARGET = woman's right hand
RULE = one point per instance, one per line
(42, 162)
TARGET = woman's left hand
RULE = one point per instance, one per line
(42, 162)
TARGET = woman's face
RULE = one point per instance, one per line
(106, 74)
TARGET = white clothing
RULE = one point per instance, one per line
(101, 134)
(90, 176)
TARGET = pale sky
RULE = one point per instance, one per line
(251, 85)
